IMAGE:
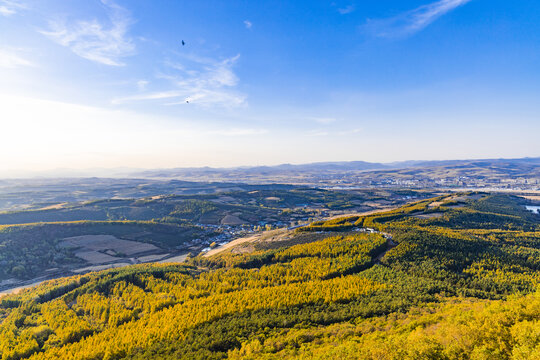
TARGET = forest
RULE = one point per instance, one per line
(27, 250)
(29, 239)
(451, 277)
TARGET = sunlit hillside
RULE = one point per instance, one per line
(452, 277)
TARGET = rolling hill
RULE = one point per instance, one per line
(451, 277)
(481, 173)
(38, 244)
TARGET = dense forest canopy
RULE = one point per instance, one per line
(452, 277)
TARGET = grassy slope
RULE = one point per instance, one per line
(462, 285)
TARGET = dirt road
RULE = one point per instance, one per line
(232, 244)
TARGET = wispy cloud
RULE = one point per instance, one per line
(412, 21)
(148, 96)
(346, 10)
(199, 81)
(10, 7)
(10, 59)
(248, 24)
(91, 39)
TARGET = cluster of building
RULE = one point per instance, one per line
(519, 183)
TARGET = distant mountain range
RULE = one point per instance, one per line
(319, 166)
(284, 173)
(345, 166)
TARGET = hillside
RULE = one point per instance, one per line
(452, 277)
(32, 251)
(39, 243)
(51, 192)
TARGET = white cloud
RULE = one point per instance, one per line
(10, 7)
(248, 24)
(6, 11)
(346, 10)
(414, 20)
(10, 60)
(207, 97)
(199, 81)
(148, 96)
(92, 40)
(141, 84)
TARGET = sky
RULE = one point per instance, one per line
(108, 83)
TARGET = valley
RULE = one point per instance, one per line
(69, 238)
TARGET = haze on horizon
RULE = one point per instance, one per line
(104, 84)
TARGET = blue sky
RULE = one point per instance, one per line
(90, 83)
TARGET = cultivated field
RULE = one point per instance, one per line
(103, 243)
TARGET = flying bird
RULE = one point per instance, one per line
(183, 43)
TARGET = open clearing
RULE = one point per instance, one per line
(434, 215)
(435, 204)
(174, 259)
(467, 197)
(55, 206)
(151, 258)
(232, 220)
(232, 244)
(107, 242)
(100, 267)
(94, 257)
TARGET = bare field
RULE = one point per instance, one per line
(435, 204)
(232, 244)
(54, 207)
(108, 242)
(232, 220)
(94, 257)
(151, 258)
(174, 259)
